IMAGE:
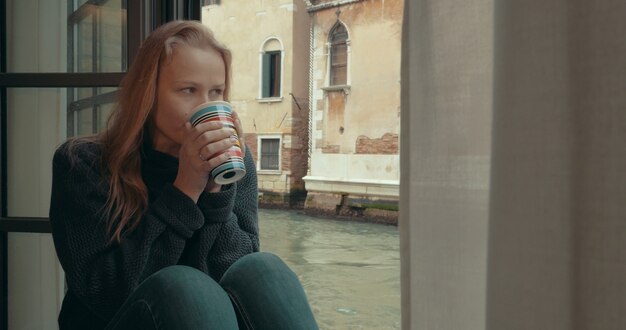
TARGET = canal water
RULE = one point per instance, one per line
(350, 270)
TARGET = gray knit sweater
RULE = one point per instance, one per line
(209, 235)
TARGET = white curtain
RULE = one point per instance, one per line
(513, 176)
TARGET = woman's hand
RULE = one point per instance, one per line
(240, 132)
(204, 147)
(211, 186)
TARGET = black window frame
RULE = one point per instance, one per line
(92, 103)
(142, 17)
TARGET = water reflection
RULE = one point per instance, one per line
(350, 270)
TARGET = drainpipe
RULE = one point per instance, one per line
(311, 102)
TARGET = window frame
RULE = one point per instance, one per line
(263, 65)
(260, 139)
(97, 99)
(331, 44)
(142, 16)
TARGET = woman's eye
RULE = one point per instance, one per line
(188, 90)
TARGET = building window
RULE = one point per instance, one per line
(271, 74)
(269, 154)
(211, 2)
(338, 55)
(271, 69)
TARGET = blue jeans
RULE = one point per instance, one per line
(257, 292)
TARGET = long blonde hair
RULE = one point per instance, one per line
(130, 120)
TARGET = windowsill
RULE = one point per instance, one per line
(270, 100)
(344, 88)
(271, 172)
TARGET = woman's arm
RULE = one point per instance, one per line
(100, 274)
(235, 207)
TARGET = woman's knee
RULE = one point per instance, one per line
(258, 269)
(259, 263)
(184, 297)
(267, 293)
(177, 275)
(183, 282)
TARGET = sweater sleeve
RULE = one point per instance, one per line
(102, 274)
(235, 208)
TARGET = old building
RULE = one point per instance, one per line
(317, 84)
(270, 44)
(355, 107)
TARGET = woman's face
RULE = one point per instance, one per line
(193, 76)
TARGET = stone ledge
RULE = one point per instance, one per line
(352, 207)
(387, 188)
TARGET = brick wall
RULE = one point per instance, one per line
(250, 139)
(386, 145)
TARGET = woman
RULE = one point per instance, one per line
(146, 238)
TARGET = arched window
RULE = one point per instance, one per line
(271, 68)
(338, 55)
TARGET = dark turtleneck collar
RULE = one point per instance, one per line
(157, 168)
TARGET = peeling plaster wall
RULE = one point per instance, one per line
(356, 129)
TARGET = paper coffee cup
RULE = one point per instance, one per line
(234, 168)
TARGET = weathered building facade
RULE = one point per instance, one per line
(355, 107)
(317, 84)
(269, 40)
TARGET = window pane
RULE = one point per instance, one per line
(46, 49)
(271, 67)
(339, 75)
(339, 34)
(111, 36)
(83, 46)
(266, 83)
(269, 154)
(275, 75)
(339, 54)
(35, 127)
(338, 64)
(89, 109)
(87, 38)
(98, 33)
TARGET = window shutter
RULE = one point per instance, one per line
(266, 80)
(275, 81)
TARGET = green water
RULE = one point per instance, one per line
(350, 270)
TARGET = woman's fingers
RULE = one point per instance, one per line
(215, 148)
(214, 162)
(240, 133)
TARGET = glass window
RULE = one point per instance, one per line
(52, 47)
(271, 74)
(270, 149)
(271, 67)
(338, 55)
(66, 36)
(35, 127)
(89, 112)
(97, 43)
(97, 37)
